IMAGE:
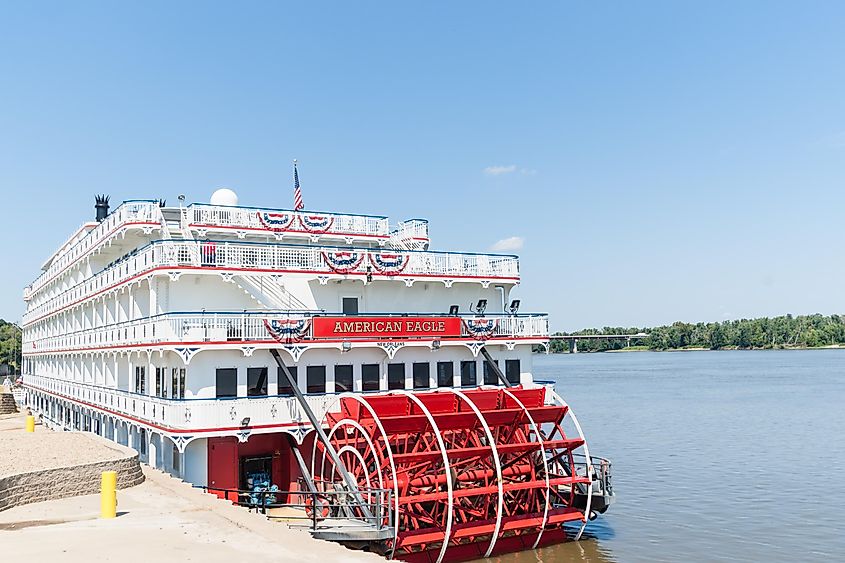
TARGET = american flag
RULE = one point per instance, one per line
(297, 192)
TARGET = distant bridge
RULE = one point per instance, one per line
(574, 338)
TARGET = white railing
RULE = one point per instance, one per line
(127, 212)
(197, 328)
(282, 258)
(411, 234)
(341, 224)
(185, 414)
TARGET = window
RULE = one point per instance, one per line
(177, 382)
(421, 375)
(140, 379)
(227, 382)
(256, 382)
(395, 376)
(342, 379)
(469, 377)
(161, 383)
(350, 305)
(490, 377)
(284, 386)
(315, 379)
(369, 377)
(176, 458)
(445, 374)
(512, 371)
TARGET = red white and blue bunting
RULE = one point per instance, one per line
(317, 224)
(343, 262)
(288, 330)
(275, 221)
(389, 264)
(481, 328)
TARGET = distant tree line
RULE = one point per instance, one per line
(10, 345)
(802, 331)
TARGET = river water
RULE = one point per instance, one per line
(717, 456)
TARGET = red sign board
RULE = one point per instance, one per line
(386, 327)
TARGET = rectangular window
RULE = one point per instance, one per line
(227, 382)
(161, 384)
(141, 380)
(490, 377)
(256, 382)
(369, 377)
(315, 379)
(421, 375)
(512, 371)
(469, 378)
(395, 376)
(350, 305)
(177, 382)
(284, 386)
(445, 374)
(176, 466)
(342, 379)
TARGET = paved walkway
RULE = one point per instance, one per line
(163, 519)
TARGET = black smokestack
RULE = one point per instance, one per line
(101, 204)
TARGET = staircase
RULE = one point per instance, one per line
(269, 292)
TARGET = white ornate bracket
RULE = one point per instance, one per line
(279, 236)
(241, 234)
(314, 238)
(147, 230)
(348, 240)
(409, 282)
(247, 351)
(390, 348)
(174, 276)
(323, 279)
(202, 232)
(187, 353)
(227, 276)
(474, 347)
(295, 351)
(509, 345)
(485, 283)
(181, 442)
(448, 283)
(243, 436)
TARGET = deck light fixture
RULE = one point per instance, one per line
(481, 306)
(345, 346)
(245, 421)
(453, 310)
(514, 306)
(435, 344)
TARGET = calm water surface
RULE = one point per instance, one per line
(717, 456)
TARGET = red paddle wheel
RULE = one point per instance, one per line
(472, 473)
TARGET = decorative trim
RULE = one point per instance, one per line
(343, 261)
(474, 347)
(287, 330)
(275, 221)
(389, 263)
(187, 354)
(295, 351)
(481, 328)
(390, 348)
(316, 224)
(247, 351)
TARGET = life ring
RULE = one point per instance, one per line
(322, 507)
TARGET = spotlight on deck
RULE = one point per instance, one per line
(245, 421)
(345, 346)
(514, 306)
(435, 344)
(481, 306)
(453, 310)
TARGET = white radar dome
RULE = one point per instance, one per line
(224, 196)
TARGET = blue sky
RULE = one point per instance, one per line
(650, 161)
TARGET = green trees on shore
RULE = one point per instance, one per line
(778, 332)
(10, 345)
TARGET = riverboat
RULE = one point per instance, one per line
(325, 361)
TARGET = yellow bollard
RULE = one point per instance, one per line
(30, 423)
(108, 495)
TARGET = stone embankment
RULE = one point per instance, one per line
(47, 465)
